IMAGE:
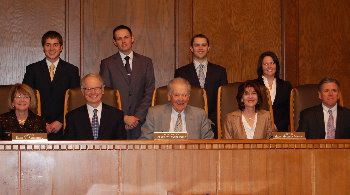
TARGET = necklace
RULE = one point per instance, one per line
(21, 122)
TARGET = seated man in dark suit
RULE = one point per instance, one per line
(95, 120)
(328, 120)
(204, 74)
(177, 116)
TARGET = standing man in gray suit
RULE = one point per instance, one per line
(133, 75)
(177, 116)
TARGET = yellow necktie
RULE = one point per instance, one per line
(52, 71)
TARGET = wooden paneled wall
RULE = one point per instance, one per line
(311, 37)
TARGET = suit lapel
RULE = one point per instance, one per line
(58, 73)
(136, 70)
(45, 73)
(339, 121)
(193, 75)
(103, 121)
(167, 118)
(86, 123)
(189, 120)
(320, 121)
(209, 77)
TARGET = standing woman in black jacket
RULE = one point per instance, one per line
(268, 76)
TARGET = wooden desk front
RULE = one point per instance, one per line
(176, 167)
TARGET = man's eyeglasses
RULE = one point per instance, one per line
(95, 89)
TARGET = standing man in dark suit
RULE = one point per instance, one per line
(328, 120)
(203, 74)
(95, 120)
(133, 75)
(52, 77)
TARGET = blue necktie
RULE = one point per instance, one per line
(127, 65)
(95, 125)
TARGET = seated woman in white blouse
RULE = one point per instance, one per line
(249, 122)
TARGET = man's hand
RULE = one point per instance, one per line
(130, 122)
(53, 127)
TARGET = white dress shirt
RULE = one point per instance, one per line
(205, 67)
(249, 131)
(271, 89)
(49, 64)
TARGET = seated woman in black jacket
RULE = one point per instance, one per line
(20, 119)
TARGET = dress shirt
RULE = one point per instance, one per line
(249, 131)
(205, 67)
(272, 89)
(326, 116)
(49, 63)
(91, 112)
(131, 55)
(173, 120)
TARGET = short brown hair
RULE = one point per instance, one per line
(328, 80)
(51, 35)
(21, 89)
(240, 93)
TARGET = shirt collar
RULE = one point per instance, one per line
(334, 108)
(91, 109)
(196, 63)
(131, 55)
(265, 79)
(55, 63)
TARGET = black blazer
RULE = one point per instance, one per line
(78, 125)
(312, 123)
(52, 93)
(281, 103)
(216, 76)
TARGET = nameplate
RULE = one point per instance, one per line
(170, 135)
(29, 136)
(288, 135)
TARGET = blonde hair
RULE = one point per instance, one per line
(24, 90)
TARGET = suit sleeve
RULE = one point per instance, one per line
(121, 133)
(69, 132)
(223, 77)
(206, 132)
(302, 124)
(105, 74)
(147, 128)
(75, 79)
(29, 77)
(145, 103)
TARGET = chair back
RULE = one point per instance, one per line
(4, 93)
(302, 97)
(74, 99)
(198, 97)
(227, 102)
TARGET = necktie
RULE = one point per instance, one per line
(178, 125)
(330, 126)
(127, 65)
(95, 125)
(201, 75)
(52, 71)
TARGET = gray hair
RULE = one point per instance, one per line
(328, 80)
(178, 80)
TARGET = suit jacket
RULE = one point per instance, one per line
(136, 94)
(52, 93)
(234, 129)
(159, 117)
(281, 103)
(216, 76)
(312, 123)
(79, 126)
